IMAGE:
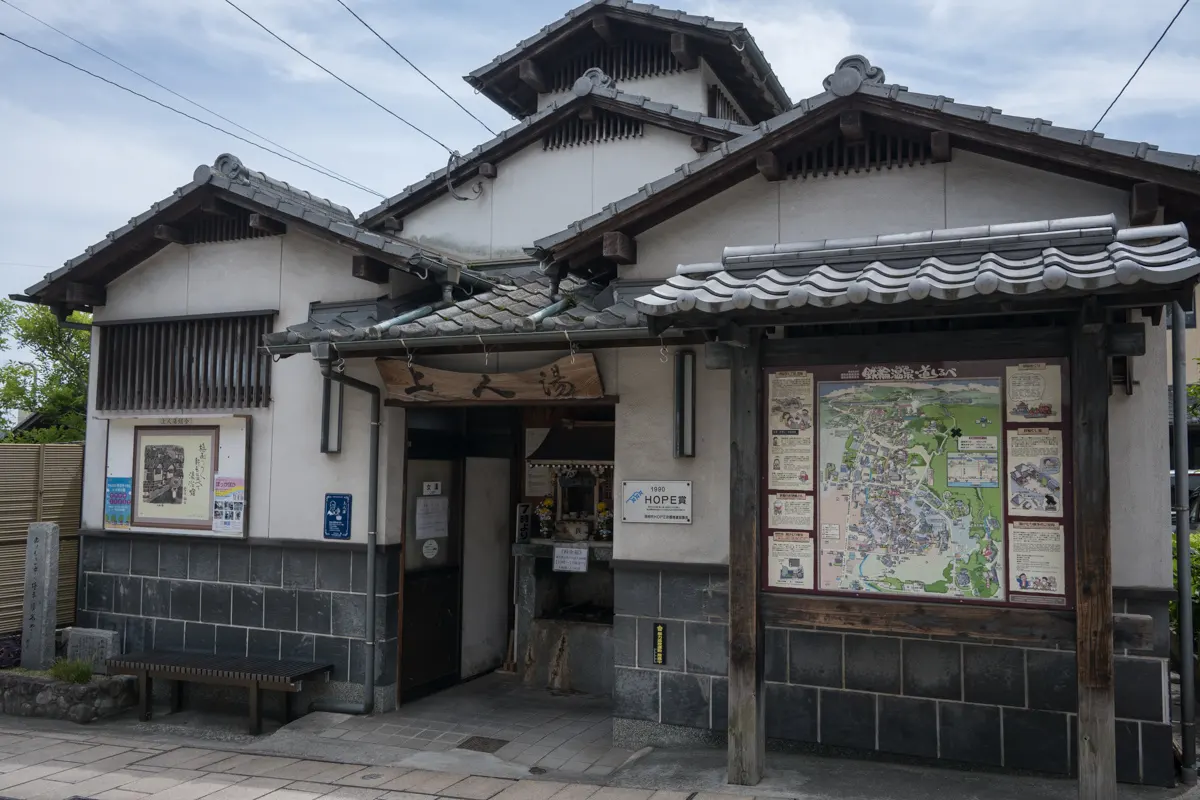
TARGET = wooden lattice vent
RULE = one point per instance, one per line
(721, 106)
(603, 126)
(629, 60)
(875, 150)
(184, 364)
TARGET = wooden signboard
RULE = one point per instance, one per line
(570, 378)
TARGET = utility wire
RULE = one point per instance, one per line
(1139, 66)
(206, 124)
(336, 77)
(182, 97)
(411, 64)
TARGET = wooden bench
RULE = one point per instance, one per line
(256, 674)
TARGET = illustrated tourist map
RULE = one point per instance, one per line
(910, 486)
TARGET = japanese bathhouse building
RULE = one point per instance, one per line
(850, 410)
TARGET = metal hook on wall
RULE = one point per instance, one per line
(574, 347)
(485, 350)
(407, 352)
(339, 365)
(424, 274)
(662, 351)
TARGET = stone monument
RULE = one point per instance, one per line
(94, 646)
(41, 596)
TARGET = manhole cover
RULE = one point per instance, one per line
(483, 744)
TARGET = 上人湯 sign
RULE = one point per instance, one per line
(657, 501)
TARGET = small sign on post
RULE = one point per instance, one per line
(570, 559)
(660, 643)
(41, 596)
(337, 516)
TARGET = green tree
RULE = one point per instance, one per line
(52, 383)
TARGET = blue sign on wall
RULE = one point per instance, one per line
(337, 516)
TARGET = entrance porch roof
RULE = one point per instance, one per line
(1083, 255)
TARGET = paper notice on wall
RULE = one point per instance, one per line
(229, 504)
(790, 561)
(433, 517)
(539, 481)
(792, 511)
(1033, 393)
(1038, 557)
(790, 446)
(831, 533)
(1035, 473)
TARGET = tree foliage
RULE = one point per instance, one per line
(51, 381)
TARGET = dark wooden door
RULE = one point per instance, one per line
(430, 655)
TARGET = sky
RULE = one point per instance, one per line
(79, 158)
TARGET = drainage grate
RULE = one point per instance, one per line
(483, 744)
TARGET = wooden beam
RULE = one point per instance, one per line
(850, 123)
(531, 75)
(1040, 626)
(487, 170)
(683, 48)
(939, 146)
(1143, 204)
(82, 294)
(393, 224)
(700, 144)
(370, 269)
(619, 248)
(1126, 339)
(769, 166)
(604, 27)
(168, 233)
(216, 207)
(747, 714)
(261, 222)
(1093, 557)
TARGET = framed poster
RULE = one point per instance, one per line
(174, 469)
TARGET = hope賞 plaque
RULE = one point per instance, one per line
(657, 501)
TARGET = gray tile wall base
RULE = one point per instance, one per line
(946, 701)
(300, 600)
(232, 700)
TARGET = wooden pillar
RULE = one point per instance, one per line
(747, 734)
(1093, 559)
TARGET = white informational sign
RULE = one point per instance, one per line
(657, 501)
(1033, 393)
(433, 517)
(539, 481)
(790, 561)
(229, 504)
(1038, 557)
(430, 548)
(792, 511)
(978, 444)
(1035, 473)
(431, 488)
(791, 421)
(570, 559)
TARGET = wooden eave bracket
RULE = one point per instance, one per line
(770, 166)
(531, 75)
(939, 147)
(850, 123)
(370, 269)
(1143, 204)
(168, 233)
(683, 48)
(83, 294)
(606, 28)
(261, 222)
(619, 247)
(488, 169)
(218, 207)
(700, 144)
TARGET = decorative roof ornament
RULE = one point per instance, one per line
(851, 73)
(232, 167)
(592, 78)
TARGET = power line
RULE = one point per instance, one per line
(411, 64)
(206, 124)
(336, 77)
(23, 264)
(182, 97)
(1139, 66)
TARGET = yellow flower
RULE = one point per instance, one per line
(602, 506)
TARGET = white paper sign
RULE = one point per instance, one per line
(668, 502)
(570, 559)
(1035, 474)
(1038, 557)
(792, 511)
(1034, 393)
(433, 517)
(431, 488)
(790, 561)
(791, 419)
(430, 548)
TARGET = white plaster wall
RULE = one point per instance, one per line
(289, 476)
(486, 592)
(644, 451)
(538, 192)
(1139, 468)
(969, 190)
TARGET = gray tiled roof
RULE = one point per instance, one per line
(504, 308)
(592, 86)
(1085, 253)
(856, 75)
(231, 175)
(740, 40)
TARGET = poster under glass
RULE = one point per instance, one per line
(173, 474)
